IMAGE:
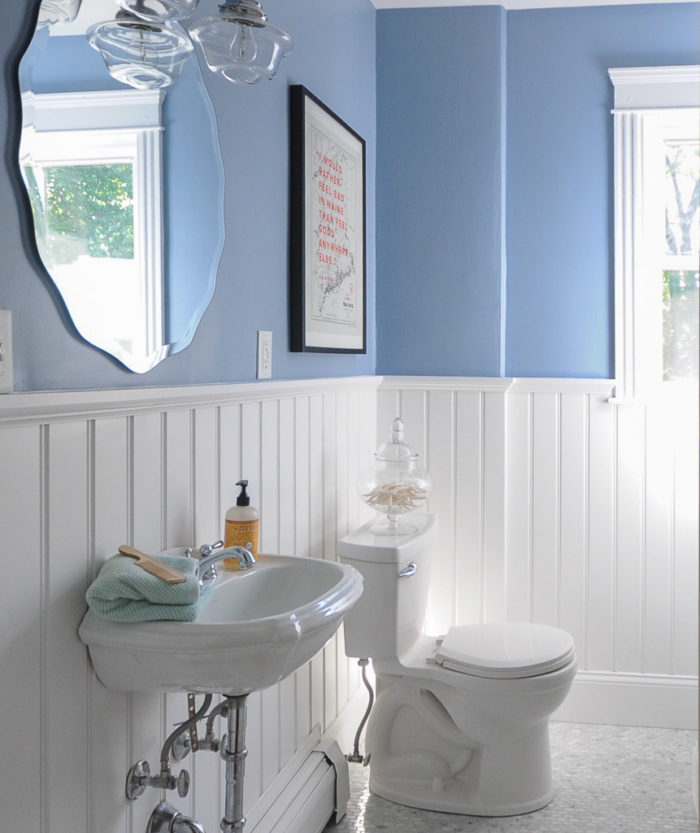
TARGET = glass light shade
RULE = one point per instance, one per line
(239, 44)
(142, 55)
(156, 10)
(395, 485)
(58, 11)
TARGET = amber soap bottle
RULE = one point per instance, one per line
(242, 527)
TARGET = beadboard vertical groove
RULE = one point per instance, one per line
(468, 504)
(39, 683)
(567, 510)
(82, 475)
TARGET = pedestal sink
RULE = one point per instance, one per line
(260, 626)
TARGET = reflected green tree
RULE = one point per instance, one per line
(94, 203)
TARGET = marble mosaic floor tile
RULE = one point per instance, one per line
(609, 779)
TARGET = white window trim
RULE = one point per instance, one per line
(644, 97)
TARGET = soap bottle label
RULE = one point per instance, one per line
(241, 534)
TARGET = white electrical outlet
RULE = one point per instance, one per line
(6, 371)
(264, 354)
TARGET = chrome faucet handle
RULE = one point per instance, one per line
(139, 777)
(206, 549)
(207, 570)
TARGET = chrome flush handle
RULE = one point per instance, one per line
(409, 570)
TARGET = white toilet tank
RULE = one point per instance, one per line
(390, 614)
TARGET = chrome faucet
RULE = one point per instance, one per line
(210, 554)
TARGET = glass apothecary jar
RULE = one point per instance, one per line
(395, 485)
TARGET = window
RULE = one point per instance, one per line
(657, 229)
(681, 251)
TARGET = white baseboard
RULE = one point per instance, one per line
(632, 700)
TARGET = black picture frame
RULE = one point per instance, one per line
(327, 285)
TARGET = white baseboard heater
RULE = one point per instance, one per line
(311, 789)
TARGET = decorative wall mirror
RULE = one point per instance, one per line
(125, 187)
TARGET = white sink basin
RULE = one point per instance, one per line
(260, 626)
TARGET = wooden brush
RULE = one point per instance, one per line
(153, 566)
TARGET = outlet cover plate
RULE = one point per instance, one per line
(264, 354)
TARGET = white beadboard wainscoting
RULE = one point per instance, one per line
(559, 506)
(85, 472)
(553, 506)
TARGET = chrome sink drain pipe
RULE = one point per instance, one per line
(234, 752)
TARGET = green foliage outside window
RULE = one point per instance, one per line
(681, 293)
(94, 203)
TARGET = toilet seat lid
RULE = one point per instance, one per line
(507, 650)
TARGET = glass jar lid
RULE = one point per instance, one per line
(396, 450)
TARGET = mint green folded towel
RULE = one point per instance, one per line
(124, 592)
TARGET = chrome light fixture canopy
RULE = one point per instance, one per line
(58, 11)
(141, 54)
(238, 42)
(159, 10)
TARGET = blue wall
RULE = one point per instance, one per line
(440, 209)
(445, 122)
(334, 57)
(458, 98)
(560, 169)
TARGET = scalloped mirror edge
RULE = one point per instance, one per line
(135, 282)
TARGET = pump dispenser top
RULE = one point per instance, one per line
(242, 526)
(242, 499)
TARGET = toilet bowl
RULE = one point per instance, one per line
(461, 722)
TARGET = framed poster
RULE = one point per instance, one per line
(327, 230)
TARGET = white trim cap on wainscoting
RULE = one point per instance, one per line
(512, 5)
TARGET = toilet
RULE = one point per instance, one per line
(461, 722)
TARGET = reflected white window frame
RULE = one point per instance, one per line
(650, 105)
(105, 127)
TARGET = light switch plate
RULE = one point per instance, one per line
(6, 370)
(264, 354)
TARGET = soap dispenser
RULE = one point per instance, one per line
(242, 527)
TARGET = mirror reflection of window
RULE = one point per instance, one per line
(95, 193)
(89, 204)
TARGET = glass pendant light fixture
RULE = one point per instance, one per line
(239, 43)
(159, 10)
(58, 11)
(143, 54)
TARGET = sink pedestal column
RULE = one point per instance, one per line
(234, 752)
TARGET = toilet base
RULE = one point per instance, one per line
(458, 807)
(420, 758)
